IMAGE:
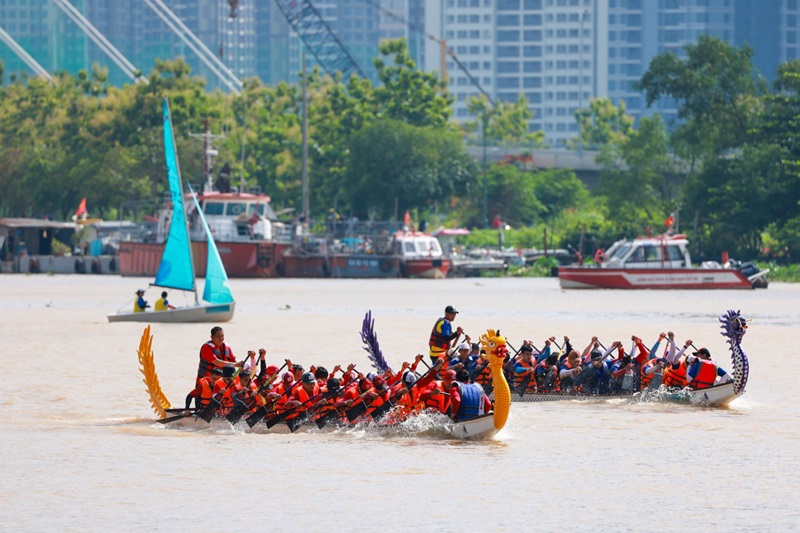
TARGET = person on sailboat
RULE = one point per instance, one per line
(162, 304)
(140, 304)
(215, 353)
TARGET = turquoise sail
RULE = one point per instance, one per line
(218, 288)
(176, 270)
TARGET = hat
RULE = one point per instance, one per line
(228, 371)
(596, 355)
(371, 376)
(450, 309)
(309, 378)
(333, 385)
(140, 291)
(272, 370)
(449, 375)
(463, 346)
(409, 378)
(379, 383)
(216, 370)
(288, 377)
(703, 351)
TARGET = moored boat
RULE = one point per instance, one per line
(659, 263)
(420, 255)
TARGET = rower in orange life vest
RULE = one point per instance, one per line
(203, 390)
(442, 334)
(224, 389)
(702, 372)
(467, 399)
(215, 353)
(675, 374)
(436, 396)
(525, 371)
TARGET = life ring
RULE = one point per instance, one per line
(96, 268)
(326, 268)
(80, 266)
(385, 265)
(33, 265)
(112, 265)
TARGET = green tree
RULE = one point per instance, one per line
(601, 124)
(394, 165)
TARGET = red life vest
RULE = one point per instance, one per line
(205, 367)
(706, 375)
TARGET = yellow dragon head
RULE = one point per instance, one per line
(494, 346)
(496, 350)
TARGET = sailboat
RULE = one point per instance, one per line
(176, 270)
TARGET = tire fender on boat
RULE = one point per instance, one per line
(96, 268)
(33, 265)
(326, 268)
(80, 266)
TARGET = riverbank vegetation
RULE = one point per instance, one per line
(727, 173)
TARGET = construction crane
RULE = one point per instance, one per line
(445, 51)
(318, 37)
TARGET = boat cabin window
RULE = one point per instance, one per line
(214, 208)
(409, 247)
(675, 253)
(234, 209)
(621, 251)
(255, 208)
(652, 253)
(637, 256)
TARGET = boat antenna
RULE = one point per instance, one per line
(209, 155)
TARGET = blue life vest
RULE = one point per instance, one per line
(471, 401)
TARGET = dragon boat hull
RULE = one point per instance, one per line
(716, 396)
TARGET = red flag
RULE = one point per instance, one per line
(407, 218)
(670, 221)
(81, 208)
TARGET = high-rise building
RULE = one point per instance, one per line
(543, 49)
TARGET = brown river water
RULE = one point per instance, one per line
(79, 450)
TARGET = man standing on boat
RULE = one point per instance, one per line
(215, 353)
(442, 335)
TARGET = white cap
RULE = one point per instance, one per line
(464, 346)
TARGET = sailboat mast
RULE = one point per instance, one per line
(180, 184)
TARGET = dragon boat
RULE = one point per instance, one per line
(733, 326)
(480, 428)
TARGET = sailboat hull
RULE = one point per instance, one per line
(181, 315)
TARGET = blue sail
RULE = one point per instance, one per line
(176, 270)
(217, 289)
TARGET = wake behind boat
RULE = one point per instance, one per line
(176, 270)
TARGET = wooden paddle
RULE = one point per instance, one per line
(295, 423)
(263, 411)
(241, 408)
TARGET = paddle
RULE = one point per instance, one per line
(174, 418)
(295, 423)
(384, 408)
(357, 410)
(263, 411)
(241, 408)
(526, 380)
(282, 416)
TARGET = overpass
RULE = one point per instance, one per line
(582, 162)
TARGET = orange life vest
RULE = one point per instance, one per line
(645, 379)
(675, 377)
(520, 377)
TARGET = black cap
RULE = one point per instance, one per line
(703, 351)
(450, 309)
(333, 385)
(596, 354)
(308, 378)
